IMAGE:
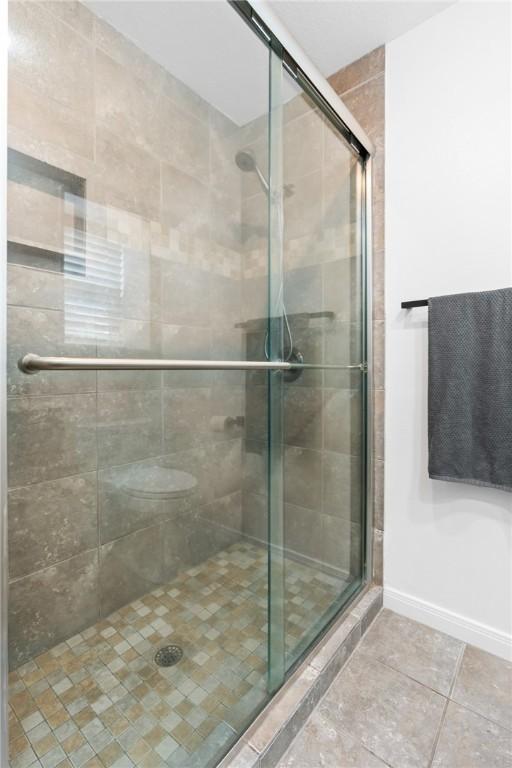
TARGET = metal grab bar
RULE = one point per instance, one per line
(32, 363)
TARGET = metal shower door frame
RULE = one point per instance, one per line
(3, 390)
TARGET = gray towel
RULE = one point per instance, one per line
(470, 388)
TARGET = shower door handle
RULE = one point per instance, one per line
(31, 363)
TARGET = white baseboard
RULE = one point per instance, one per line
(469, 631)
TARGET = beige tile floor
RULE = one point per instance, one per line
(99, 700)
(411, 697)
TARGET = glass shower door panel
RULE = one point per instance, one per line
(323, 407)
(138, 500)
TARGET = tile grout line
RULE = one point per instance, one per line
(403, 674)
(87, 551)
(341, 94)
(415, 680)
(457, 670)
(108, 467)
(384, 762)
(445, 709)
(479, 714)
(409, 677)
(119, 538)
(438, 734)
(465, 706)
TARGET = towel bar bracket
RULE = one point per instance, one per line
(416, 303)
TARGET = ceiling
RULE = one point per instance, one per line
(336, 32)
(206, 45)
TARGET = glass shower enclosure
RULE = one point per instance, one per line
(187, 375)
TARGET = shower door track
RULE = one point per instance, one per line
(268, 26)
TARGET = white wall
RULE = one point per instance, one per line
(447, 546)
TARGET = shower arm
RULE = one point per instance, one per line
(31, 363)
(262, 179)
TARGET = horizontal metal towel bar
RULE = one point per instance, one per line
(32, 363)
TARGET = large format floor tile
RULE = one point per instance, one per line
(470, 741)
(484, 684)
(383, 708)
(323, 744)
(427, 656)
(393, 716)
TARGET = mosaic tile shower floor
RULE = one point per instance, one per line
(99, 700)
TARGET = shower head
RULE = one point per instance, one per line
(245, 160)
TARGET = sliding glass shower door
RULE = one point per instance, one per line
(317, 418)
(186, 445)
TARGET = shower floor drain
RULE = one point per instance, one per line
(168, 655)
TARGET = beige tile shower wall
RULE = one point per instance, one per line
(321, 409)
(361, 86)
(162, 217)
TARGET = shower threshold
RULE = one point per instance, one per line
(99, 700)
